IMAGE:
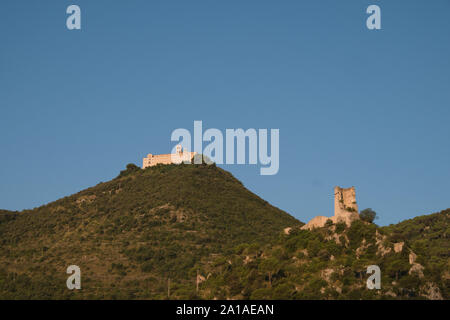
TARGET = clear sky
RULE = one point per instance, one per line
(355, 107)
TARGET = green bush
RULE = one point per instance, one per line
(368, 215)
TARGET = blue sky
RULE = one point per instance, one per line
(355, 107)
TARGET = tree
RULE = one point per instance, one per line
(368, 215)
(359, 267)
(269, 266)
(397, 267)
(131, 168)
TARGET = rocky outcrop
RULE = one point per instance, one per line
(412, 257)
(362, 248)
(431, 291)
(398, 247)
(326, 274)
(316, 222)
(416, 268)
(380, 240)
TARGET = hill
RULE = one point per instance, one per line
(133, 233)
(151, 234)
(331, 263)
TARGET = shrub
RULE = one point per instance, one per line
(131, 168)
(368, 215)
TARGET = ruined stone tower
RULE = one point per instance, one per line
(345, 206)
(344, 201)
(345, 209)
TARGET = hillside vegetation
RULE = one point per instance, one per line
(151, 234)
(331, 263)
(131, 234)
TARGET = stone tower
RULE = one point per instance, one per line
(345, 206)
(345, 209)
